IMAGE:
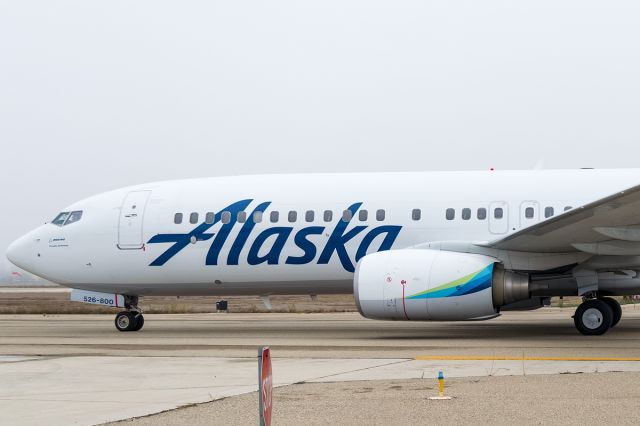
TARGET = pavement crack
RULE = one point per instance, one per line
(359, 369)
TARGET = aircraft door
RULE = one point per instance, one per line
(130, 227)
(498, 217)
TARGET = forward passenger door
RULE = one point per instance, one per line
(130, 227)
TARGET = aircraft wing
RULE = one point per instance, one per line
(609, 226)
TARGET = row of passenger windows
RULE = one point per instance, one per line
(363, 215)
(498, 213)
(292, 216)
(481, 213)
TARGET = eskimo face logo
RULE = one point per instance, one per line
(260, 252)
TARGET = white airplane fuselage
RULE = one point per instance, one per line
(127, 241)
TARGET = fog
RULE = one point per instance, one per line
(98, 95)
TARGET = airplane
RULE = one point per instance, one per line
(410, 246)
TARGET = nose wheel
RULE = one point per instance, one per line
(129, 321)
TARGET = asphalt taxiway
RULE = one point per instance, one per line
(77, 369)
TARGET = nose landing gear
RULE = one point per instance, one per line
(595, 317)
(131, 319)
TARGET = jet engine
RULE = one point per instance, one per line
(435, 285)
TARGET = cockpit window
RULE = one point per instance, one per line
(73, 217)
(67, 218)
(61, 219)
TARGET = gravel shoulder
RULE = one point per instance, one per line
(567, 399)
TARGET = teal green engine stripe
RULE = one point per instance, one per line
(472, 283)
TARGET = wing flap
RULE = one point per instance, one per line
(610, 248)
(624, 233)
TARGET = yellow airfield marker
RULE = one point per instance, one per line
(440, 396)
(519, 358)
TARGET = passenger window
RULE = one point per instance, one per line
(177, 218)
(309, 216)
(482, 213)
(498, 213)
(242, 217)
(274, 217)
(347, 215)
(60, 219)
(193, 218)
(293, 216)
(566, 209)
(226, 217)
(363, 215)
(328, 215)
(548, 212)
(416, 214)
(380, 215)
(209, 218)
(451, 214)
(257, 217)
(73, 218)
(529, 212)
(466, 214)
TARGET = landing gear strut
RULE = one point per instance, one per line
(131, 319)
(595, 317)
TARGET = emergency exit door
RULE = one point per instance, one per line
(131, 223)
(499, 217)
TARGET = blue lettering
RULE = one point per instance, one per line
(338, 239)
(392, 233)
(221, 238)
(243, 235)
(307, 246)
(180, 240)
(336, 243)
(273, 256)
(183, 240)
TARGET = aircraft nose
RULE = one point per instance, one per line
(22, 252)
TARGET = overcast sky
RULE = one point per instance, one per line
(98, 95)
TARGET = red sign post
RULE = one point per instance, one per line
(265, 385)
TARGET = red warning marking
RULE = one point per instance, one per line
(404, 306)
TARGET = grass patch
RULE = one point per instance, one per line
(58, 304)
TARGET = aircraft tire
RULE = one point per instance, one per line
(615, 307)
(593, 317)
(125, 321)
(139, 322)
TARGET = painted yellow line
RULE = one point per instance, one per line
(519, 358)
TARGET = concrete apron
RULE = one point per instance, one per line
(93, 390)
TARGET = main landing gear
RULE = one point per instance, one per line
(131, 319)
(595, 317)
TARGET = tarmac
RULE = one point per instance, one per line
(77, 369)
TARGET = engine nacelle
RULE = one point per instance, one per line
(431, 285)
